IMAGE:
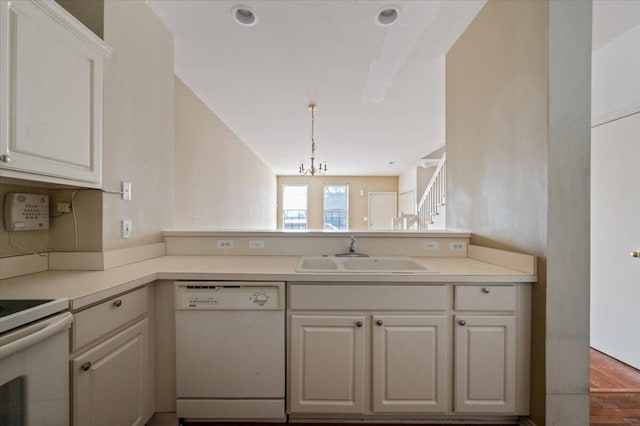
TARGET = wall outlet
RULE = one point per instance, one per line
(256, 244)
(225, 244)
(126, 228)
(126, 191)
(457, 246)
(430, 245)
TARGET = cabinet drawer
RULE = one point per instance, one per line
(95, 322)
(368, 297)
(485, 298)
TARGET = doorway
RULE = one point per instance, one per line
(615, 272)
(383, 207)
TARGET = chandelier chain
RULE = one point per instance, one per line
(321, 167)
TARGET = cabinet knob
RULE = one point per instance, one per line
(5, 158)
(635, 254)
(117, 303)
(86, 366)
(462, 322)
(359, 324)
(486, 290)
(379, 322)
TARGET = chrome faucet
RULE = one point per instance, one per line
(352, 250)
(353, 246)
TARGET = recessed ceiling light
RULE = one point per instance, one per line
(388, 15)
(244, 15)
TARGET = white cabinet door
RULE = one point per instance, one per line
(51, 95)
(327, 364)
(485, 364)
(110, 381)
(409, 363)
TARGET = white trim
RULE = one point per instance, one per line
(615, 115)
(68, 21)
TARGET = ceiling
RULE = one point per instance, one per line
(379, 90)
(612, 18)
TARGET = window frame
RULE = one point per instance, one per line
(324, 209)
(306, 209)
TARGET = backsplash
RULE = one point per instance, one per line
(256, 243)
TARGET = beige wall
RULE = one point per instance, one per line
(497, 132)
(138, 123)
(359, 187)
(61, 232)
(219, 182)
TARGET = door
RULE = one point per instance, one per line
(615, 234)
(382, 210)
(326, 372)
(485, 364)
(409, 363)
(110, 380)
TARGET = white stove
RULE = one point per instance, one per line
(34, 362)
(15, 313)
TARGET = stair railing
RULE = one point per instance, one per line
(434, 196)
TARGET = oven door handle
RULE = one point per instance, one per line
(34, 334)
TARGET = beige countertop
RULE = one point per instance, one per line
(84, 288)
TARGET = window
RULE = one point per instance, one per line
(294, 207)
(336, 207)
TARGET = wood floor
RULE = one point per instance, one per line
(615, 392)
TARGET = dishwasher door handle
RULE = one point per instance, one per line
(54, 326)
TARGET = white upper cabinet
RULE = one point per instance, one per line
(50, 95)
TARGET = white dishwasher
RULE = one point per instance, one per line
(230, 350)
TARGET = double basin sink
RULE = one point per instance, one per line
(374, 264)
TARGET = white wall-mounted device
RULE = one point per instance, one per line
(26, 212)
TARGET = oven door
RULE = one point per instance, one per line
(34, 373)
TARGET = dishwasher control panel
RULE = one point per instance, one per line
(219, 295)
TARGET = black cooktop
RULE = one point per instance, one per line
(11, 306)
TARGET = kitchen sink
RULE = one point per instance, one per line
(316, 263)
(378, 264)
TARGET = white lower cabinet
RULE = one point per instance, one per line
(329, 353)
(436, 351)
(110, 380)
(485, 364)
(327, 364)
(408, 363)
(112, 361)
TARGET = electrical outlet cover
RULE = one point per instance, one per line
(126, 228)
(457, 246)
(225, 244)
(430, 245)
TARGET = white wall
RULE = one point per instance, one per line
(219, 182)
(408, 191)
(138, 123)
(616, 77)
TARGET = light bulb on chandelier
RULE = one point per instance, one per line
(322, 167)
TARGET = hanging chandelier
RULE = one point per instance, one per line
(322, 167)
